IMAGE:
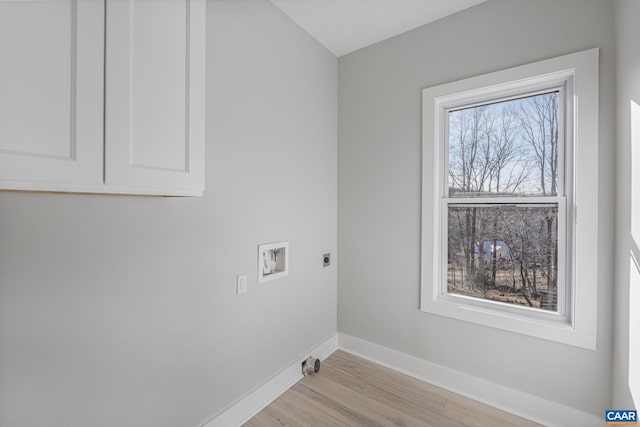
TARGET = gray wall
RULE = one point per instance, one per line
(379, 170)
(627, 322)
(121, 311)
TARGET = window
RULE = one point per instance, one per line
(506, 210)
(508, 160)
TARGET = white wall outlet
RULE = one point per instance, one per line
(241, 284)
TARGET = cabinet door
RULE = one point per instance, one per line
(51, 93)
(154, 118)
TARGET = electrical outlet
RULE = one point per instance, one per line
(326, 260)
(241, 284)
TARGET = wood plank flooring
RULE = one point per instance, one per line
(351, 391)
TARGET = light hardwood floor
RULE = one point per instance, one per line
(351, 391)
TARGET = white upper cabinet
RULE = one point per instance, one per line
(154, 124)
(51, 89)
(65, 102)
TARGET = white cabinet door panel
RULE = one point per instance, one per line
(51, 93)
(154, 121)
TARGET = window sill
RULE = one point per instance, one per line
(526, 322)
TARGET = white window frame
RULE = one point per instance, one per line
(576, 75)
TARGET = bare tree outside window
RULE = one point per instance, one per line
(505, 251)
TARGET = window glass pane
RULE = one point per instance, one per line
(507, 148)
(507, 254)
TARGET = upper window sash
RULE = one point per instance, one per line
(510, 95)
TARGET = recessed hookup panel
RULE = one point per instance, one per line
(273, 261)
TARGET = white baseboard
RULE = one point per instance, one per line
(252, 403)
(519, 403)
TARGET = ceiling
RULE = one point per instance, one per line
(347, 25)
